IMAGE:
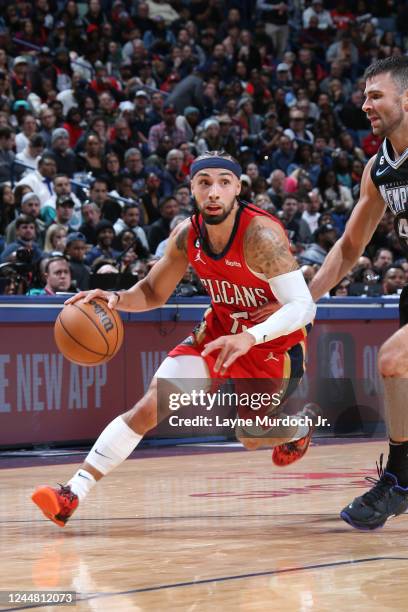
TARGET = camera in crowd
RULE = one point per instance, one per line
(17, 276)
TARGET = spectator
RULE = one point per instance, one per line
(104, 238)
(122, 139)
(55, 239)
(7, 155)
(210, 139)
(309, 272)
(188, 92)
(393, 280)
(28, 128)
(167, 127)
(297, 229)
(183, 197)
(57, 274)
(7, 207)
(172, 176)
(98, 193)
(344, 51)
(134, 167)
(276, 191)
(324, 238)
(336, 197)
(130, 220)
(64, 208)
(75, 250)
(296, 130)
(47, 125)
(140, 120)
(161, 247)
(112, 169)
(284, 154)
(25, 237)
(41, 180)
(382, 260)
(72, 124)
(126, 239)
(159, 230)
(342, 289)
(62, 187)
(151, 198)
(73, 96)
(124, 189)
(317, 10)
(64, 157)
(274, 14)
(188, 121)
(30, 206)
(311, 214)
(30, 155)
(352, 115)
(91, 159)
(91, 215)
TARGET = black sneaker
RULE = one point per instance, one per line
(384, 500)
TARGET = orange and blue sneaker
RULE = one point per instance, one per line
(288, 453)
(56, 504)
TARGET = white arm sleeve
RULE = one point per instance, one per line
(298, 308)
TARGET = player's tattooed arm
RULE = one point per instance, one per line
(181, 238)
(266, 249)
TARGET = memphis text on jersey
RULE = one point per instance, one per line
(395, 197)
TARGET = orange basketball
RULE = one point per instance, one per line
(88, 334)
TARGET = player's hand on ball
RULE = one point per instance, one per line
(264, 311)
(230, 347)
(110, 297)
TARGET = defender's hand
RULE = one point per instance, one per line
(230, 347)
(263, 312)
(110, 297)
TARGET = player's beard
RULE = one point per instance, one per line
(217, 219)
(386, 128)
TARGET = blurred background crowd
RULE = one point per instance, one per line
(105, 104)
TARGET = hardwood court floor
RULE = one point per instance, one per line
(211, 531)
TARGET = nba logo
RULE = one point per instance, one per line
(336, 359)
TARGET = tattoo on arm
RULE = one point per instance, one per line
(181, 239)
(267, 251)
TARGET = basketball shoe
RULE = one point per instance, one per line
(56, 504)
(288, 453)
(384, 500)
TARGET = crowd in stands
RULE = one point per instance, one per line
(105, 104)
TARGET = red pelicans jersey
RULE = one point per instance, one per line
(235, 292)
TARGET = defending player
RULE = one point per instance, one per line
(384, 182)
(243, 259)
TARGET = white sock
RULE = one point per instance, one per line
(113, 446)
(302, 431)
(81, 483)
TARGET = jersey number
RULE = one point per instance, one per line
(235, 316)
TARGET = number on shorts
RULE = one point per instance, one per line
(236, 316)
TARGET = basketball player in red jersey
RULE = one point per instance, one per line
(243, 259)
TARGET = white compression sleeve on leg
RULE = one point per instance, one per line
(298, 308)
(113, 446)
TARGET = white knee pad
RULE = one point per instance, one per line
(186, 372)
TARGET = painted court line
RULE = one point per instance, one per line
(301, 568)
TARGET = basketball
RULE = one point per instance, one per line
(88, 334)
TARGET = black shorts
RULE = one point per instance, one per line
(403, 306)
